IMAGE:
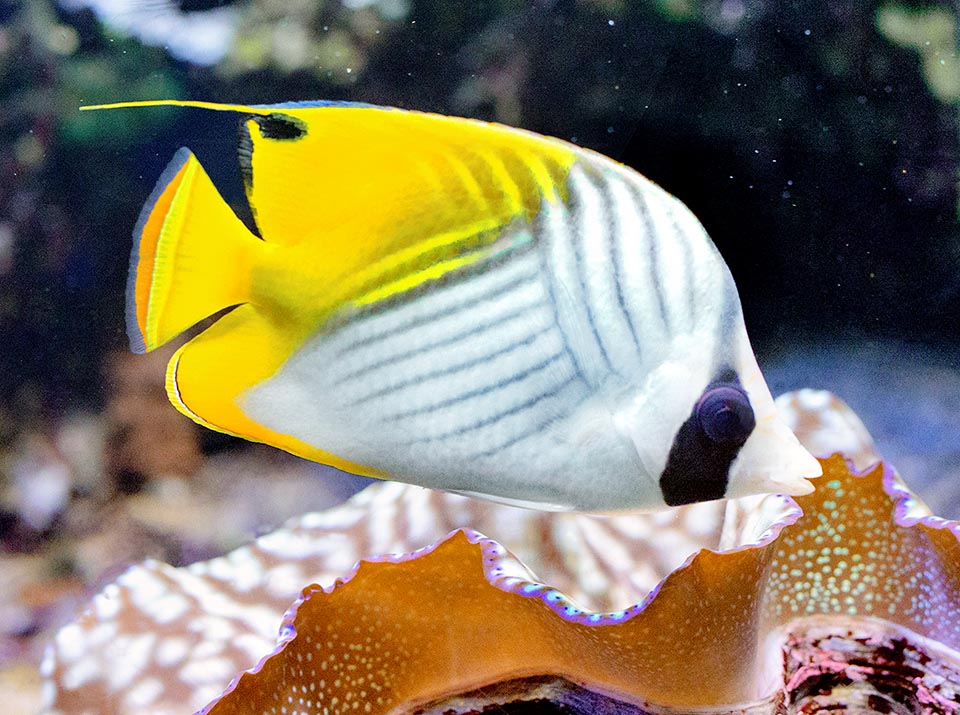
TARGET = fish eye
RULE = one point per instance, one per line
(724, 413)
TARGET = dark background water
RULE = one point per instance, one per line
(818, 141)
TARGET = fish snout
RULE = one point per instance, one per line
(772, 461)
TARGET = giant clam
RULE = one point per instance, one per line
(846, 599)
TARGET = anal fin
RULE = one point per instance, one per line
(207, 378)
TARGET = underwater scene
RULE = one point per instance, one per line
(440, 357)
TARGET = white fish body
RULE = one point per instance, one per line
(584, 349)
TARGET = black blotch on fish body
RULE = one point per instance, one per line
(698, 466)
(188, 6)
(281, 127)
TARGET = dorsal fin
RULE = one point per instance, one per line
(350, 169)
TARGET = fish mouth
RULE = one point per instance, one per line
(772, 461)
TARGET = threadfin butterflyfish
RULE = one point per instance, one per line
(459, 305)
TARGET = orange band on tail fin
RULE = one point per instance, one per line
(145, 237)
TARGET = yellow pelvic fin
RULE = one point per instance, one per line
(191, 257)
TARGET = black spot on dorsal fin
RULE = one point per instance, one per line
(276, 126)
(281, 127)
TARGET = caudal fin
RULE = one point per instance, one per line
(191, 256)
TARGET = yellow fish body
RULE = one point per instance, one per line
(459, 305)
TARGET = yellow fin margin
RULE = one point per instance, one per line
(177, 103)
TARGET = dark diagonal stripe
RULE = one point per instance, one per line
(616, 235)
(653, 255)
(547, 272)
(478, 392)
(470, 331)
(493, 419)
(453, 369)
(479, 165)
(580, 238)
(492, 293)
(534, 430)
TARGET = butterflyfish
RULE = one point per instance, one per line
(460, 305)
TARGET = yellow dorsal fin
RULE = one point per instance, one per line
(386, 200)
(389, 174)
(322, 168)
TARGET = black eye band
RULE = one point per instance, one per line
(708, 442)
(725, 415)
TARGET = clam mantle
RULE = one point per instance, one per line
(848, 569)
(843, 599)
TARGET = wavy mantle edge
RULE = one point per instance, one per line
(504, 572)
